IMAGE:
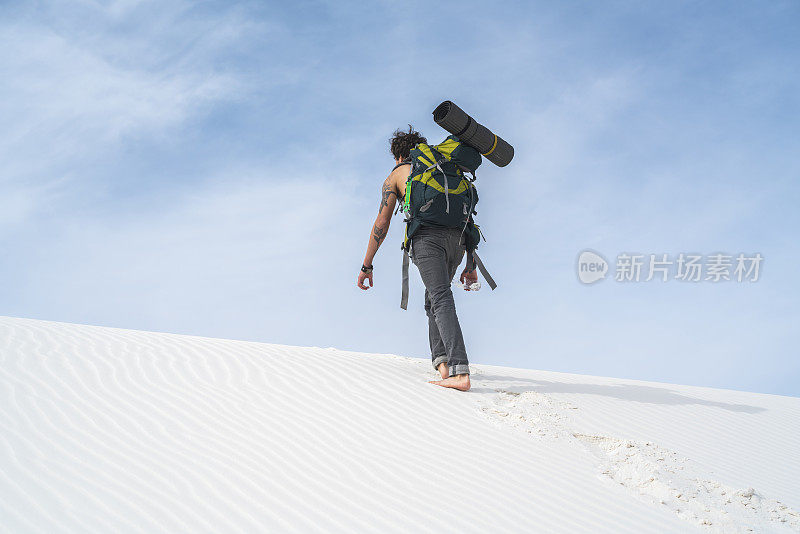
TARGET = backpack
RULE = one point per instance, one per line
(438, 193)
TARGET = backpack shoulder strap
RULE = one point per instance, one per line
(406, 161)
(483, 270)
(404, 282)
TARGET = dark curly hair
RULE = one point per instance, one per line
(402, 142)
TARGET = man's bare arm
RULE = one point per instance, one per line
(388, 191)
(384, 218)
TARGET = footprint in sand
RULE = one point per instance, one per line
(531, 411)
(664, 477)
(647, 471)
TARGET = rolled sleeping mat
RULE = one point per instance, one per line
(453, 119)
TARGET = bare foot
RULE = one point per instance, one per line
(459, 382)
(444, 370)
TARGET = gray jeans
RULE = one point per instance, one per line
(437, 255)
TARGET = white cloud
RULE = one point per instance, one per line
(73, 90)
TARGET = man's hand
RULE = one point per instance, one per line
(364, 276)
(468, 277)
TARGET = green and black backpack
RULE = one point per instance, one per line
(439, 193)
(438, 190)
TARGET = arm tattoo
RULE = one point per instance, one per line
(378, 233)
(388, 190)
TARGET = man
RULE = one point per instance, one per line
(437, 252)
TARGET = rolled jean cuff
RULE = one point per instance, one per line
(439, 360)
(460, 369)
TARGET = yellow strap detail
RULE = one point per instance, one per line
(427, 179)
(446, 147)
(428, 154)
(425, 161)
(427, 176)
(493, 146)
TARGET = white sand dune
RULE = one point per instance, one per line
(109, 430)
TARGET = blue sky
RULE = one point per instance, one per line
(214, 168)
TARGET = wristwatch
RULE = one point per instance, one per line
(366, 269)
